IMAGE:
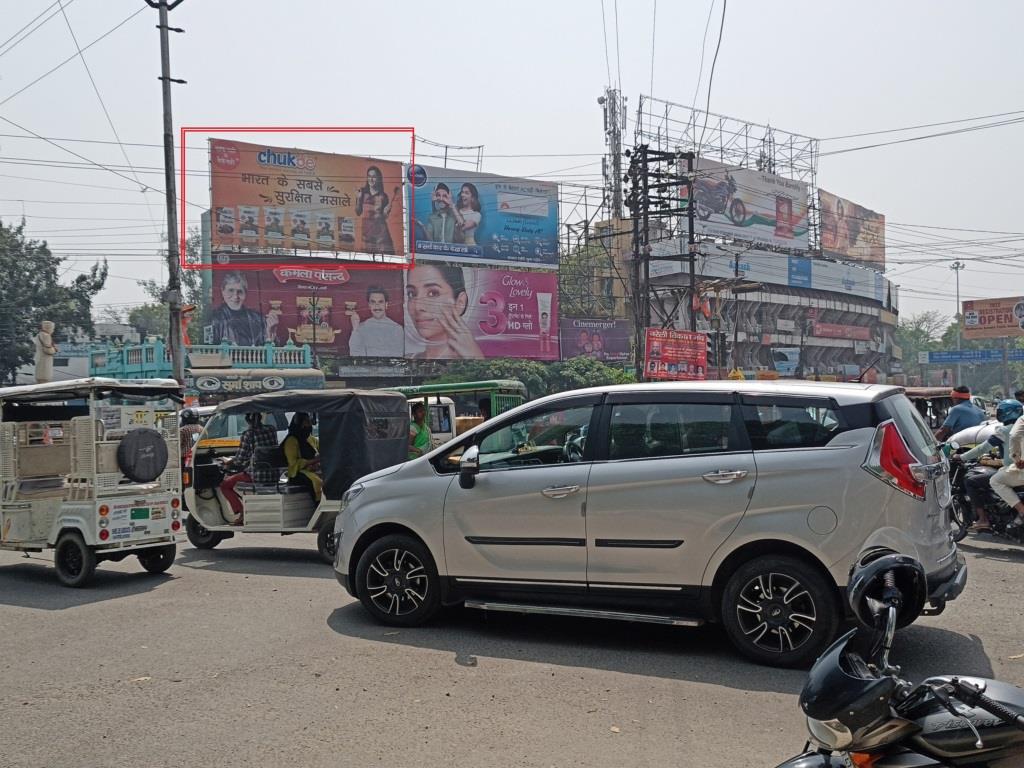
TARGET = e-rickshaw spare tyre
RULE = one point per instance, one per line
(201, 537)
(157, 559)
(75, 562)
(142, 455)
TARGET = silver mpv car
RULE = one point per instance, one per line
(744, 503)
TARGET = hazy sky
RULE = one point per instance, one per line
(522, 79)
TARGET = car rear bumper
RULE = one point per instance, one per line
(343, 580)
(947, 584)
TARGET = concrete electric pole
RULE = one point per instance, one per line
(173, 295)
(956, 266)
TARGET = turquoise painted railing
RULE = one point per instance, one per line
(153, 359)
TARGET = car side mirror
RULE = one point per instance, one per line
(469, 467)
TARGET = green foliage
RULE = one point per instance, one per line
(540, 378)
(31, 291)
(191, 290)
(149, 319)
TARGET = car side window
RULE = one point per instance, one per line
(551, 436)
(652, 430)
(774, 425)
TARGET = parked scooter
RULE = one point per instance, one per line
(860, 712)
(718, 197)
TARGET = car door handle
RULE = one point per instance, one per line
(560, 491)
(723, 476)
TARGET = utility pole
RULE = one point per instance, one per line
(691, 243)
(173, 294)
(956, 266)
(613, 125)
(736, 311)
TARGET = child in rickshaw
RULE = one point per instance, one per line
(301, 450)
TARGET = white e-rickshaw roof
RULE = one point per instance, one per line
(80, 388)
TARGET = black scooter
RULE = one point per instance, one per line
(860, 712)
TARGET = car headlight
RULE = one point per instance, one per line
(830, 734)
(350, 496)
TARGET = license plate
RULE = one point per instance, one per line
(140, 513)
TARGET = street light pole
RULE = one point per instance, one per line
(956, 266)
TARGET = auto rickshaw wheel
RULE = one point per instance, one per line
(75, 562)
(326, 543)
(157, 559)
(397, 581)
(199, 536)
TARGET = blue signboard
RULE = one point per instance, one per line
(482, 218)
(976, 356)
(799, 272)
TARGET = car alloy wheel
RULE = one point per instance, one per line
(397, 582)
(776, 612)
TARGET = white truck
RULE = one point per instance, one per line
(91, 468)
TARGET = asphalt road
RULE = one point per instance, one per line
(252, 655)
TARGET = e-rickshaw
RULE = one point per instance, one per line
(359, 432)
(91, 468)
(442, 412)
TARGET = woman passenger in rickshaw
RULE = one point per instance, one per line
(301, 451)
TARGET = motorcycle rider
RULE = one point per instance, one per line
(1008, 412)
(1007, 480)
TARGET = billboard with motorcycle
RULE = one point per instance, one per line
(750, 205)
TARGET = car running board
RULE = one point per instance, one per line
(589, 613)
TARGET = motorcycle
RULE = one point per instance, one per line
(718, 197)
(962, 511)
(860, 712)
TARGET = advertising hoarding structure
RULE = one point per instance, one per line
(994, 318)
(432, 311)
(749, 205)
(671, 355)
(602, 338)
(267, 201)
(851, 232)
(481, 218)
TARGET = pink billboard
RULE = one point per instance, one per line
(456, 312)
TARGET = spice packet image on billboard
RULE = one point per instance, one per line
(346, 230)
(249, 224)
(225, 221)
(325, 229)
(273, 223)
(300, 227)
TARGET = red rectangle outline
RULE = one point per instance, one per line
(186, 129)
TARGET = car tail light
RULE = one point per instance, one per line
(104, 510)
(104, 534)
(186, 478)
(891, 460)
(176, 525)
(175, 502)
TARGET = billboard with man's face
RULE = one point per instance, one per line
(480, 218)
(342, 312)
(268, 200)
(851, 232)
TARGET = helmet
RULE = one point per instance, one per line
(1008, 411)
(189, 416)
(868, 589)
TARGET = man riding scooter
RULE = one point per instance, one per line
(1008, 412)
(1010, 478)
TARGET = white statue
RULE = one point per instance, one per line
(45, 350)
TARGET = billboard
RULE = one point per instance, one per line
(335, 310)
(750, 205)
(671, 355)
(598, 337)
(482, 218)
(454, 312)
(835, 331)
(994, 318)
(273, 199)
(851, 232)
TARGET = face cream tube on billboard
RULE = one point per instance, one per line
(544, 309)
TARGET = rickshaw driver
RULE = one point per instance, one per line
(301, 451)
(258, 435)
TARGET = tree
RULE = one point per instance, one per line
(920, 333)
(31, 291)
(579, 372)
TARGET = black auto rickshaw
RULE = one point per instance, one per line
(355, 433)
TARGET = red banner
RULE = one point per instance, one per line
(675, 355)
